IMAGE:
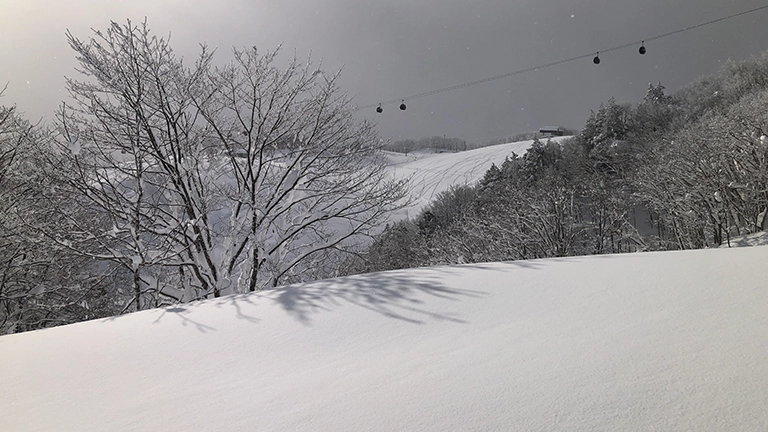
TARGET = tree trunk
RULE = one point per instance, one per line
(254, 271)
(137, 289)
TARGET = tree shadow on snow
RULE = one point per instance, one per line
(415, 296)
(182, 313)
(239, 302)
(402, 295)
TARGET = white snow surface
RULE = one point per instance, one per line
(667, 341)
(432, 173)
(756, 239)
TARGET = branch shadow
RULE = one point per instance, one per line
(182, 313)
(402, 295)
(414, 296)
(238, 301)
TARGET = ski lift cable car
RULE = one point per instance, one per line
(380, 109)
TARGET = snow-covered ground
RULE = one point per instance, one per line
(756, 239)
(432, 173)
(667, 341)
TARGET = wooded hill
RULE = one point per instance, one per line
(676, 171)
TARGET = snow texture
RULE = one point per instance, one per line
(668, 341)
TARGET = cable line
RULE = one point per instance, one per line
(596, 60)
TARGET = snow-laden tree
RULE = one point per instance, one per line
(20, 270)
(711, 180)
(304, 176)
(217, 179)
(41, 284)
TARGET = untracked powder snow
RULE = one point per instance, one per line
(647, 341)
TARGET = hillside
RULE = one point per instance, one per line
(653, 341)
(432, 173)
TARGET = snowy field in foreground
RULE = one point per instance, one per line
(432, 173)
(669, 341)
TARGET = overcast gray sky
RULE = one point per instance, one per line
(395, 48)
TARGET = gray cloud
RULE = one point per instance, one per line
(392, 49)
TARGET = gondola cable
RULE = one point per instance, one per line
(595, 60)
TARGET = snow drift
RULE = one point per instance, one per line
(652, 341)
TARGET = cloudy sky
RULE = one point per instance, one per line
(392, 49)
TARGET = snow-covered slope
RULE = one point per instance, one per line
(756, 239)
(656, 341)
(432, 173)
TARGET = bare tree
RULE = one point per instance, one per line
(217, 180)
(41, 285)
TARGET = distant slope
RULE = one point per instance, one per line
(432, 173)
(655, 341)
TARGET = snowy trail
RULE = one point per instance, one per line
(432, 174)
(652, 341)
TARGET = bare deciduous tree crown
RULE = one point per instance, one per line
(217, 179)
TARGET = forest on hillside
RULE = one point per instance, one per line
(441, 144)
(676, 171)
